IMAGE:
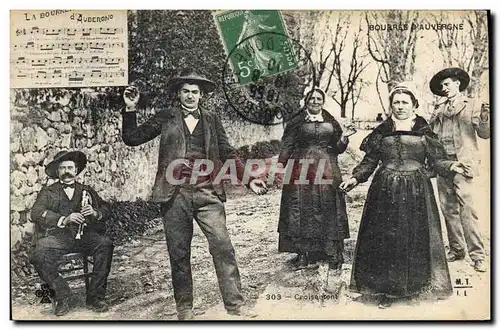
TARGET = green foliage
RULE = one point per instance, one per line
(161, 43)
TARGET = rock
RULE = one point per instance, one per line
(18, 160)
(42, 138)
(41, 174)
(17, 203)
(100, 137)
(64, 117)
(15, 236)
(15, 127)
(53, 135)
(59, 127)
(28, 159)
(65, 141)
(17, 179)
(15, 143)
(124, 257)
(67, 109)
(102, 158)
(67, 128)
(80, 143)
(14, 218)
(113, 166)
(121, 269)
(77, 121)
(55, 116)
(28, 138)
(37, 187)
(45, 123)
(95, 149)
(90, 132)
(23, 191)
(136, 243)
(29, 201)
(244, 213)
(31, 176)
(78, 131)
(28, 228)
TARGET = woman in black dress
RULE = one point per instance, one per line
(313, 218)
(400, 251)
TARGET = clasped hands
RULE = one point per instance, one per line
(79, 217)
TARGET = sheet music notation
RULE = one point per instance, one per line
(68, 31)
(56, 52)
(68, 60)
(74, 75)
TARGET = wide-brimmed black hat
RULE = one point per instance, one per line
(77, 156)
(189, 76)
(461, 75)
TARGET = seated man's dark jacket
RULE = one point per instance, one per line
(54, 200)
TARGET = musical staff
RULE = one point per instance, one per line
(72, 76)
(35, 31)
(56, 52)
(66, 46)
(60, 60)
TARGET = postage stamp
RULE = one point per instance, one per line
(336, 163)
(254, 54)
(272, 99)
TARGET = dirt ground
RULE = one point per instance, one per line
(140, 282)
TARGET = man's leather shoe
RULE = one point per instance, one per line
(480, 266)
(243, 312)
(185, 315)
(455, 255)
(62, 307)
(98, 306)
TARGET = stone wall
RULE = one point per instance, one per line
(44, 122)
(38, 132)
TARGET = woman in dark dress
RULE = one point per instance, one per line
(400, 251)
(313, 219)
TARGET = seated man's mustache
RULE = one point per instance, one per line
(66, 175)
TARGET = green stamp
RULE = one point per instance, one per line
(256, 42)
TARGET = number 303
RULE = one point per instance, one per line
(273, 296)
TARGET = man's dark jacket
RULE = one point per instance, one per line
(53, 201)
(169, 124)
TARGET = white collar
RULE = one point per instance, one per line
(318, 116)
(404, 124)
(190, 110)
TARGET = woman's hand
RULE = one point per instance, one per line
(348, 185)
(462, 169)
(348, 130)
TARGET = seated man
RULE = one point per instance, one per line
(64, 215)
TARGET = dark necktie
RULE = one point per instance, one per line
(68, 185)
(194, 113)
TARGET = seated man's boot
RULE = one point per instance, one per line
(62, 307)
